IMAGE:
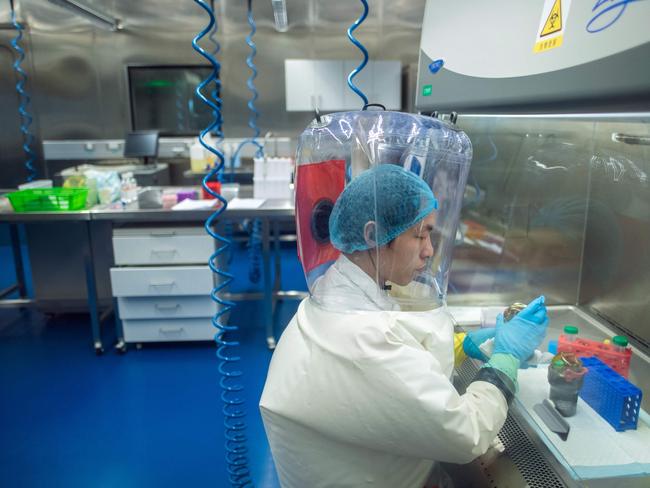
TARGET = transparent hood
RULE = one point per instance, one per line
(378, 197)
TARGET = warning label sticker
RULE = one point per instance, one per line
(552, 24)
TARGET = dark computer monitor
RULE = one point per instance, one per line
(141, 144)
(163, 98)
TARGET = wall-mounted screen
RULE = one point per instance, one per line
(163, 98)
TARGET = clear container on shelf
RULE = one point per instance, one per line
(198, 161)
(565, 377)
(570, 333)
(129, 191)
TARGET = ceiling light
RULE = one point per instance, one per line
(91, 14)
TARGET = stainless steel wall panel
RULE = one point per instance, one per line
(405, 13)
(80, 87)
(616, 274)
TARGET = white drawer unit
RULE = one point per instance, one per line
(162, 284)
(164, 330)
(161, 281)
(150, 246)
(166, 307)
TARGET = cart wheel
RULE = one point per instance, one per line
(99, 350)
(138, 346)
(121, 347)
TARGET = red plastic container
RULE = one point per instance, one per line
(214, 186)
(618, 361)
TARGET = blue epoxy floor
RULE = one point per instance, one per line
(151, 417)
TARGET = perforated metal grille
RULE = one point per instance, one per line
(532, 466)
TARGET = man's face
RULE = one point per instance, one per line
(407, 253)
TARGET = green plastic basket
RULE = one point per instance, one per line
(48, 199)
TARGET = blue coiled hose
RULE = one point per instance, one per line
(255, 251)
(362, 48)
(233, 403)
(254, 113)
(255, 236)
(25, 117)
(218, 114)
(228, 227)
(179, 103)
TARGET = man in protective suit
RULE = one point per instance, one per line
(359, 390)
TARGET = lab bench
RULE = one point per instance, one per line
(100, 232)
(536, 457)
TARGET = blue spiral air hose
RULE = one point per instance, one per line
(255, 236)
(255, 251)
(218, 114)
(228, 227)
(254, 113)
(231, 389)
(180, 108)
(362, 48)
(25, 117)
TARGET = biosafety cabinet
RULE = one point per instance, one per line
(539, 56)
(555, 97)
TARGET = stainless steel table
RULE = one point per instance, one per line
(271, 213)
(84, 218)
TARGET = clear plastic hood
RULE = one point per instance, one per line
(379, 194)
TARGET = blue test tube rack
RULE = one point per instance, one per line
(612, 396)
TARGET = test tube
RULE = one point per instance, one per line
(570, 333)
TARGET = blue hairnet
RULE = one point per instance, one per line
(387, 194)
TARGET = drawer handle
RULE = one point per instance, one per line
(164, 330)
(164, 251)
(167, 307)
(163, 283)
(163, 233)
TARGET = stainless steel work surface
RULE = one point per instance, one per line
(590, 327)
(270, 208)
(80, 215)
(528, 461)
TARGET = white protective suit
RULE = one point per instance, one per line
(365, 398)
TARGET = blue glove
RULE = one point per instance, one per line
(523, 333)
(474, 339)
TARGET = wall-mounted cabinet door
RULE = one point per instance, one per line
(323, 84)
(387, 84)
(299, 85)
(327, 85)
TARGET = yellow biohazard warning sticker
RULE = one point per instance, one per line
(552, 24)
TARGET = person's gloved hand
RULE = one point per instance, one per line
(474, 339)
(523, 333)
